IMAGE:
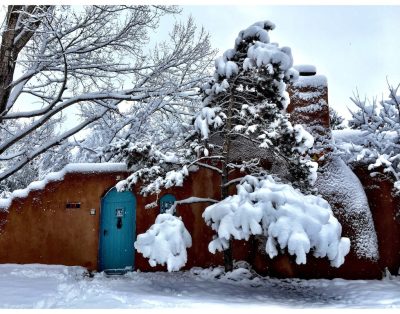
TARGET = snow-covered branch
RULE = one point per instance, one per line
(85, 59)
(290, 220)
(380, 123)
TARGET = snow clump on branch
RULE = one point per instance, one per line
(287, 218)
(165, 242)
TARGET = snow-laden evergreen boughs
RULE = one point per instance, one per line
(336, 121)
(290, 220)
(208, 117)
(381, 139)
(247, 98)
(154, 169)
(240, 102)
(244, 102)
(165, 242)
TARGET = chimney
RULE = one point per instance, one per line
(306, 69)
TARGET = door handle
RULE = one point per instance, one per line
(105, 232)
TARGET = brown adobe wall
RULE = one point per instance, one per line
(40, 229)
(284, 266)
(385, 208)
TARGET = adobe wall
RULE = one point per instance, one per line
(40, 229)
(385, 209)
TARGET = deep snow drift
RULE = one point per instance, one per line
(52, 286)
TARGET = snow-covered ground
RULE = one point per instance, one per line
(49, 286)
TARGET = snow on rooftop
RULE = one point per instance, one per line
(305, 68)
(58, 176)
(311, 81)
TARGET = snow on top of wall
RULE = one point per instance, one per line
(95, 167)
(307, 68)
(349, 136)
(343, 190)
(348, 141)
(358, 137)
(58, 176)
(311, 81)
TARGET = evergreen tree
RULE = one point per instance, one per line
(336, 121)
(380, 126)
(244, 103)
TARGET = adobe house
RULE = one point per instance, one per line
(76, 216)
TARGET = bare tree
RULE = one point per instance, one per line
(90, 58)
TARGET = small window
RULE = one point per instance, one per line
(119, 212)
(73, 205)
(166, 202)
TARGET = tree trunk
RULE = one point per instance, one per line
(228, 259)
(14, 38)
(8, 55)
(228, 256)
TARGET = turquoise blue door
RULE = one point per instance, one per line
(117, 231)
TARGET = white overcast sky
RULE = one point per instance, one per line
(355, 47)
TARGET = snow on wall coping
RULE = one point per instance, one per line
(339, 185)
(348, 136)
(306, 68)
(311, 81)
(58, 176)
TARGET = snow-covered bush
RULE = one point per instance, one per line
(380, 123)
(289, 219)
(165, 242)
